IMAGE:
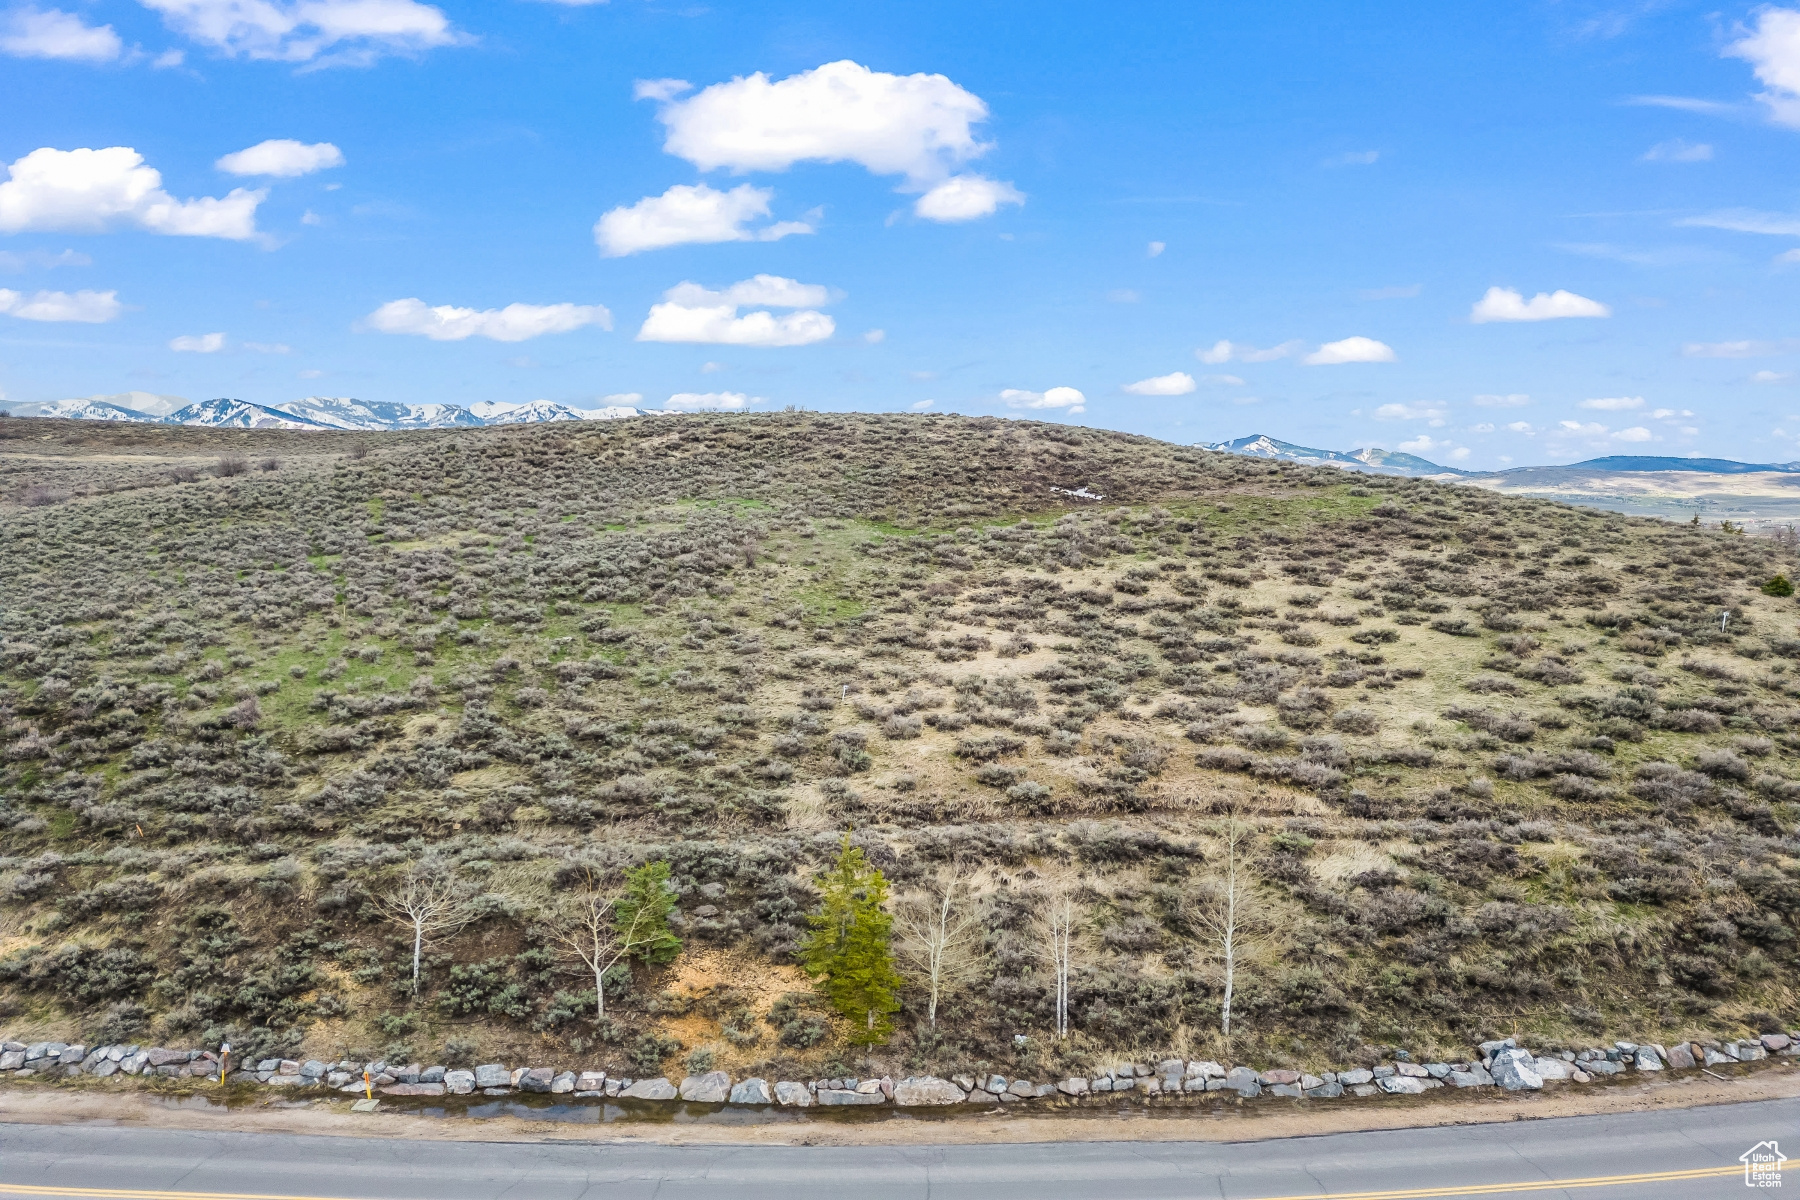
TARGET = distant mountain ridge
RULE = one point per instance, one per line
(1393, 462)
(318, 412)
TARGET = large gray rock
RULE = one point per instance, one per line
(590, 1081)
(1325, 1091)
(1205, 1069)
(1551, 1068)
(714, 1087)
(793, 1095)
(538, 1079)
(563, 1084)
(650, 1089)
(458, 1083)
(1775, 1043)
(71, 1056)
(1024, 1087)
(1681, 1056)
(1602, 1066)
(1244, 1081)
(1402, 1085)
(1475, 1076)
(1354, 1077)
(1068, 1087)
(1515, 1070)
(844, 1096)
(1648, 1059)
(397, 1089)
(751, 1091)
(12, 1060)
(493, 1075)
(928, 1089)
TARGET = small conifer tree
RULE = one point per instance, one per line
(1778, 586)
(850, 945)
(644, 908)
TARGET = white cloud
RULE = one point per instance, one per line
(1223, 352)
(1411, 412)
(10, 261)
(269, 347)
(1521, 427)
(1637, 433)
(514, 323)
(919, 126)
(89, 190)
(1057, 397)
(1591, 429)
(711, 401)
(282, 157)
(168, 59)
(622, 400)
(319, 32)
(1744, 349)
(659, 89)
(1613, 403)
(966, 197)
(1772, 377)
(1225, 380)
(720, 325)
(1506, 304)
(52, 33)
(1155, 248)
(1677, 150)
(875, 337)
(1787, 256)
(921, 405)
(1350, 350)
(1511, 400)
(1175, 383)
(1683, 104)
(1421, 445)
(691, 313)
(91, 308)
(688, 214)
(198, 343)
(1772, 49)
(771, 290)
(1746, 220)
(1484, 427)
(1459, 454)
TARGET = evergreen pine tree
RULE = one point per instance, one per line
(645, 909)
(850, 945)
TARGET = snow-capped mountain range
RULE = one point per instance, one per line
(314, 412)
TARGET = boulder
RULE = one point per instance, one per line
(650, 1089)
(563, 1084)
(1289, 1090)
(869, 1087)
(493, 1075)
(844, 1096)
(1489, 1049)
(1171, 1066)
(1402, 1085)
(456, 1083)
(1068, 1087)
(1206, 1069)
(1438, 1070)
(1775, 1043)
(71, 1056)
(751, 1091)
(1411, 1070)
(1024, 1087)
(928, 1089)
(1648, 1059)
(1274, 1077)
(994, 1083)
(1515, 1070)
(131, 1064)
(404, 1089)
(312, 1068)
(1551, 1068)
(1325, 1091)
(12, 1060)
(1602, 1066)
(794, 1095)
(1681, 1056)
(590, 1081)
(537, 1079)
(1475, 1076)
(433, 1074)
(1355, 1077)
(714, 1087)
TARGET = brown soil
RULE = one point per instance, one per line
(1234, 1123)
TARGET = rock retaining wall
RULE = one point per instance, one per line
(1501, 1064)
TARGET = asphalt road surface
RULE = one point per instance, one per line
(1689, 1154)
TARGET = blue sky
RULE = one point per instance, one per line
(1487, 233)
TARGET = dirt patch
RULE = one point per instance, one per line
(1222, 1122)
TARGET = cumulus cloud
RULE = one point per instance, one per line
(690, 214)
(198, 343)
(1175, 383)
(1506, 304)
(920, 127)
(44, 259)
(1155, 248)
(1223, 352)
(711, 401)
(1614, 403)
(1424, 444)
(1483, 427)
(1772, 377)
(692, 313)
(316, 32)
(1772, 48)
(1637, 433)
(1590, 429)
(921, 405)
(966, 197)
(89, 191)
(1510, 400)
(52, 33)
(514, 323)
(1411, 412)
(1057, 397)
(90, 308)
(282, 157)
(1521, 427)
(1679, 151)
(1350, 350)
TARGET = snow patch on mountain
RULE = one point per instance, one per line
(346, 412)
(238, 414)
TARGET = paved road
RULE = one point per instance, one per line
(1502, 1159)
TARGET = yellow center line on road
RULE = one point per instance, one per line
(1426, 1193)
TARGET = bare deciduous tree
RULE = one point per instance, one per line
(1228, 913)
(1059, 947)
(588, 926)
(940, 938)
(429, 903)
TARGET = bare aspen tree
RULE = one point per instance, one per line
(1059, 945)
(590, 929)
(428, 902)
(1226, 917)
(940, 938)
